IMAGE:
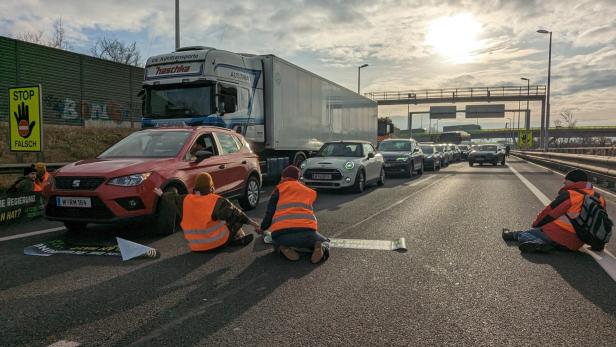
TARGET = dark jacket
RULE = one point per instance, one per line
(224, 210)
(22, 185)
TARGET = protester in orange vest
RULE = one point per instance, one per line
(42, 177)
(291, 219)
(208, 220)
(553, 227)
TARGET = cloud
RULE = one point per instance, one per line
(333, 37)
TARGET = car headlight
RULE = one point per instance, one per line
(302, 165)
(429, 156)
(403, 159)
(349, 165)
(130, 181)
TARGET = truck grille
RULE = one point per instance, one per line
(98, 211)
(336, 175)
(78, 183)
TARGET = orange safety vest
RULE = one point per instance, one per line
(564, 233)
(200, 230)
(294, 208)
(39, 186)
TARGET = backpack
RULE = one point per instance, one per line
(593, 226)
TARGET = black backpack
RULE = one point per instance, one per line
(593, 226)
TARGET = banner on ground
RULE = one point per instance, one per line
(20, 207)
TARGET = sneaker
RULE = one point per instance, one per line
(242, 241)
(289, 253)
(509, 235)
(535, 247)
(317, 253)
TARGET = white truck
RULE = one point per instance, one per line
(283, 111)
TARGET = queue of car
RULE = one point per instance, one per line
(118, 185)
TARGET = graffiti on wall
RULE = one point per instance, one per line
(67, 109)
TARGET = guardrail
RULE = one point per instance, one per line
(600, 168)
(19, 168)
(599, 151)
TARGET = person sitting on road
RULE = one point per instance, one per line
(24, 184)
(208, 220)
(42, 177)
(553, 227)
(291, 219)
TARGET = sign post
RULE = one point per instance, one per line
(25, 119)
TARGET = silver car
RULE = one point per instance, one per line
(344, 164)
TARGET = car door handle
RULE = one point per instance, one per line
(222, 166)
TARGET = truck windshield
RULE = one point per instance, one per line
(395, 146)
(148, 144)
(178, 102)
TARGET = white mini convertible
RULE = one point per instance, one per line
(344, 164)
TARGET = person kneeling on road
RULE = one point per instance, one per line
(24, 184)
(557, 225)
(209, 221)
(291, 219)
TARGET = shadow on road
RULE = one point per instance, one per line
(195, 320)
(582, 273)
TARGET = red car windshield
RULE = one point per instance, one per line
(148, 144)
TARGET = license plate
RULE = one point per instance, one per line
(64, 201)
(388, 165)
(321, 176)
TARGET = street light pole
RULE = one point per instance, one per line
(547, 112)
(177, 24)
(359, 75)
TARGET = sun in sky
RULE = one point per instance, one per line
(455, 37)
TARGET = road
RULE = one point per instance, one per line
(458, 284)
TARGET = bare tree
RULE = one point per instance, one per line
(116, 50)
(57, 40)
(33, 37)
(567, 119)
(58, 36)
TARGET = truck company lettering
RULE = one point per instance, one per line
(239, 76)
(172, 69)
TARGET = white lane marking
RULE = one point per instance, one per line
(20, 236)
(64, 343)
(604, 258)
(544, 199)
(563, 175)
(394, 204)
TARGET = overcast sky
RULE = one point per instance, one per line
(410, 45)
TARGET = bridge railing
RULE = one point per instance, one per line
(427, 94)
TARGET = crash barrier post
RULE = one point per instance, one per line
(19, 208)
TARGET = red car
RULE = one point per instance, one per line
(118, 185)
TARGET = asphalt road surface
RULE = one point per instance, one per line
(458, 284)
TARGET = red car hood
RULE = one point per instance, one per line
(113, 167)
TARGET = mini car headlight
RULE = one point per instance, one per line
(129, 181)
(403, 159)
(349, 165)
